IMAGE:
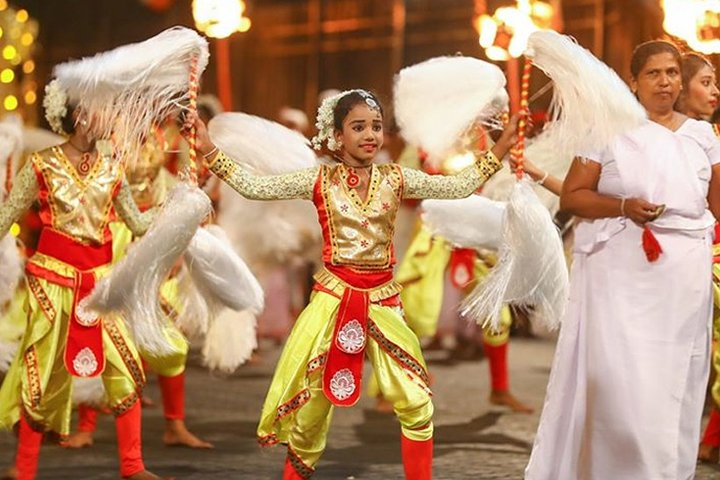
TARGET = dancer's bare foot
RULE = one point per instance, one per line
(384, 406)
(145, 475)
(708, 453)
(10, 473)
(505, 398)
(177, 435)
(78, 440)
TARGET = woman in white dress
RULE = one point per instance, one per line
(627, 387)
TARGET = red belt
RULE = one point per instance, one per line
(342, 375)
(84, 355)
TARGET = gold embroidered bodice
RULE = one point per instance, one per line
(72, 204)
(356, 233)
(78, 206)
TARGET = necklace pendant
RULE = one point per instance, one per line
(84, 165)
(353, 179)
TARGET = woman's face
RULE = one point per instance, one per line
(658, 83)
(362, 133)
(701, 99)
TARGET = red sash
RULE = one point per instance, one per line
(84, 355)
(462, 267)
(342, 375)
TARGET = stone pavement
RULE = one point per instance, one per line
(474, 440)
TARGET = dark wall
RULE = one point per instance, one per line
(297, 48)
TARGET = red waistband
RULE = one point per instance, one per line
(83, 257)
(363, 279)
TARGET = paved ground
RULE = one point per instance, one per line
(473, 439)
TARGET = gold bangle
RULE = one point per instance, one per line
(542, 180)
(622, 207)
(210, 153)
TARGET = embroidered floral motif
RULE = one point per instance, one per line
(268, 440)
(33, 373)
(316, 363)
(305, 471)
(351, 337)
(296, 402)
(125, 404)
(85, 363)
(342, 384)
(86, 317)
(397, 353)
(125, 353)
(41, 297)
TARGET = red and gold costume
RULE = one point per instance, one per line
(355, 311)
(62, 340)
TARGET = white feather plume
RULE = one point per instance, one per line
(281, 229)
(220, 274)
(132, 289)
(438, 100)
(11, 145)
(127, 89)
(590, 105)
(12, 268)
(531, 268)
(193, 315)
(263, 146)
(39, 139)
(472, 222)
(230, 340)
(89, 391)
(8, 350)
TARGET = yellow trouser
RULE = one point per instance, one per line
(296, 411)
(38, 382)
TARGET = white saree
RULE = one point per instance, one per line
(626, 391)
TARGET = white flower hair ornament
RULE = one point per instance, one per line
(55, 105)
(325, 122)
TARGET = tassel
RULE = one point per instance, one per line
(650, 244)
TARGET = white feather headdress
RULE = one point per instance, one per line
(438, 100)
(126, 89)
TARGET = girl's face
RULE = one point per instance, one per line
(702, 95)
(361, 136)
(659, 82)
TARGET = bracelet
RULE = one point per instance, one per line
(210, 153)
(622, 207)
(542, 180)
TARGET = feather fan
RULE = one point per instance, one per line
(230, 341)
(531, 268)
(472, 222)
(220, 274)
(265, 147)
(590, 105)
(132, 289)
(438, 100)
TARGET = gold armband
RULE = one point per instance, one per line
(222, 166)
(487, 164)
